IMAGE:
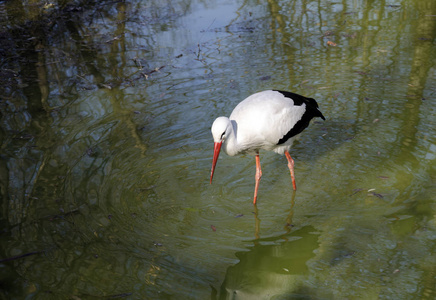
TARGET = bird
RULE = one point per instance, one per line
(268, 120)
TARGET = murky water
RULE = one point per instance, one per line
(106, 151)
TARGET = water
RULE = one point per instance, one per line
(106, 151)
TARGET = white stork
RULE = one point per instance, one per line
(269, 120)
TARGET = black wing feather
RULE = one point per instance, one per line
(311, 112)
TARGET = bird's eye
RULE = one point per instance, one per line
(223, 136)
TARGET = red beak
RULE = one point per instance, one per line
(216, 153)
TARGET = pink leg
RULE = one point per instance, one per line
(257, 177)
(291, 169)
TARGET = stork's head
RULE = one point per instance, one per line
(221, 128)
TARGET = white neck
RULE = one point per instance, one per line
(231, 146)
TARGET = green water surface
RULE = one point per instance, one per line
(105, 115)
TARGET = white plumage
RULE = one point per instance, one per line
(269, 120)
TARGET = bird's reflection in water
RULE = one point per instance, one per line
(272, 266)
(288, 225)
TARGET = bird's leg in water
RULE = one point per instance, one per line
(291, 169)
(257, 177)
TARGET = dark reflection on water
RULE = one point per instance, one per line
(105, 150)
